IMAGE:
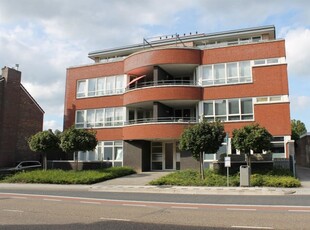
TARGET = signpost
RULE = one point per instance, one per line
(227, 165)
(227, 158)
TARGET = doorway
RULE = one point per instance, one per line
(169, 156)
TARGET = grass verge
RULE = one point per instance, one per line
(57, 176)
(191, 178)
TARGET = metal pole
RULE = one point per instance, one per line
(227, 176)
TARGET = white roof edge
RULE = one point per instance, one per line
(192, 38)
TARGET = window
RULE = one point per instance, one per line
(233, 109)
(229, 110)
(97, 118)
(119, 84)
(269, 61)
(246, 109)
(80, 118)
(278, 147)
(272, 99)
(101, 86)
(108, 117)
(207, 75)
(92, 87)
(219, 74)
(106, 151)
(226, 73)
(118, 118)
(245, 71)
(232, 72)
(208, 108)
(91, 118)
(81, 88)
(110, 85)
(220, 110)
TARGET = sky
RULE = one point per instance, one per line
(45, 37)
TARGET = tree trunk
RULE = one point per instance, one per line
(202, 172)
(247, 159)
(76, 154)
(44, 161)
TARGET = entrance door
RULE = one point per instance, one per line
(169, 155)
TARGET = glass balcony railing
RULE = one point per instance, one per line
(162, 83)
(163, 120)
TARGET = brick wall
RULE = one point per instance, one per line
(20, 118)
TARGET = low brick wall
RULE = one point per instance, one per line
(70, 165)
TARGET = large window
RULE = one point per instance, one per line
(100, 86)
(228, 109)
(97, 118)
(106, 151)
(227, 73)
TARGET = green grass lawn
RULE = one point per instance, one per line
(57, 176)
(192, 178)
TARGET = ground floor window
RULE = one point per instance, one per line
(278, 147)
(106, 151)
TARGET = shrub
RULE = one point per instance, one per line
(191, 178)
(58, 176)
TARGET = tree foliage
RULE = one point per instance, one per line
(298, 129)
(44, 142)
(72, 140)
(204, 137)
(251, 137)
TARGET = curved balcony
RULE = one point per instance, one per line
(161, 92)
(158, 130)
(137, 62)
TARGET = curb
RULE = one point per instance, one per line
(194, 190)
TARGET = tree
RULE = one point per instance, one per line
(251, 137)
(73, 140)
(44, 142)
(298, 129)
(204, 137)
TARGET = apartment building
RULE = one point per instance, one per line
(20, 117)
(139, 98)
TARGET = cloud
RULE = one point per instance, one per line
(297, 45)
(50, 124)
(300, 109)
(45, 37)
(300, 103)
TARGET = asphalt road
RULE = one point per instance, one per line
(295, 200)
(22, 211)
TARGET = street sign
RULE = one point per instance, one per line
(227, 161)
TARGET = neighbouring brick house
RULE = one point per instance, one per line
(20, 117)
(140, 97)
(303, 151)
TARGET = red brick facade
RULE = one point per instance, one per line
(267, 80)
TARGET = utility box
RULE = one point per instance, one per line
(245, 173)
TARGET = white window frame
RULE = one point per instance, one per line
(99, 157)
(224, 80)
(225, 118)
(271, 99)
(114, 90)
(97, 123)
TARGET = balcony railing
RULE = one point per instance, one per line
(162, 83)
(163, 120)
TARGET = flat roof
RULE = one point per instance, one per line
(176, 38)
